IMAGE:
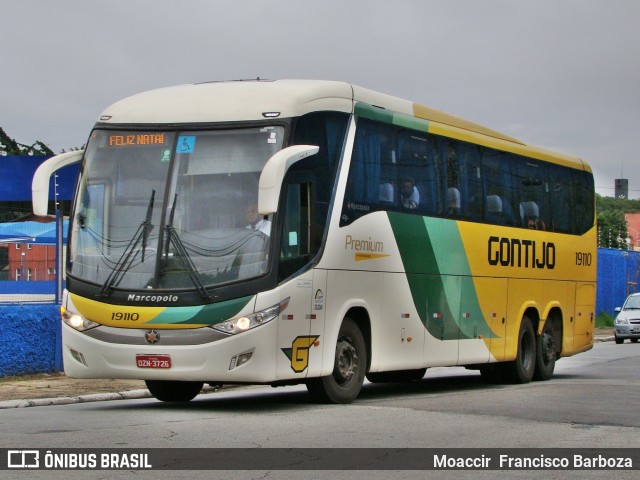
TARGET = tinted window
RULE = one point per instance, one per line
(395, 168)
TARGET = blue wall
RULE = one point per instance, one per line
(30, 339)
(16, 174)
(618, 276)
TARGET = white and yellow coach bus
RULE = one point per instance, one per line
(293, 231)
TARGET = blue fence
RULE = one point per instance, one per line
(30, 339)
(618, 276)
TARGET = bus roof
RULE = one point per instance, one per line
(246, 100)
(230, 101)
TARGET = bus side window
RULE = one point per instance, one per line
(498, 183)
(417, 164)
(296, 244)
(560, 199)
(582, 202)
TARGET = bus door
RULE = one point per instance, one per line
(301, 324)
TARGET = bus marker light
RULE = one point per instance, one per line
(243, 323)
(75, 321)
(316, 343)
(247, 322)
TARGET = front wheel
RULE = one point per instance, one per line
(173, 390)
(619, 341)
(345, 382)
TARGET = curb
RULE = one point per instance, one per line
(604, 339)
(93, 397)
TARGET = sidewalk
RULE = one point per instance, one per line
(58, 389)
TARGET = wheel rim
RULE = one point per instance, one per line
(346, 362)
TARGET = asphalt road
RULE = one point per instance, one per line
(591, 402)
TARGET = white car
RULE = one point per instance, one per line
(627, 324)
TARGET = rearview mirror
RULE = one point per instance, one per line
(40, 182)
(273, 174)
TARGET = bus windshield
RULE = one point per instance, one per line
(172, 209)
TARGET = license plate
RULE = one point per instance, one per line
(153, 361)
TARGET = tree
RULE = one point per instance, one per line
(612, 229)
(9, 146)
(612, 225)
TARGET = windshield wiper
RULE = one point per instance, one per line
(130, 252)
(183, 254)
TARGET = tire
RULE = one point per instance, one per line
(345, 383)
(398, 376)
(619, 341)
(633, 340)
(521, 369)
(173, 391)
(545, 353)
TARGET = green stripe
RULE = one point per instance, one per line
(379, 114)
(439, 276)
(203, 315)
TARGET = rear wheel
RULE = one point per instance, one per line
(345, 382)
(521, 369)
(545, 353)
(173, 390)
(633, 340)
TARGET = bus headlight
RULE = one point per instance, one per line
(242, 324)
(75, 321)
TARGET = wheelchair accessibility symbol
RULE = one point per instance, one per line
(186, 144)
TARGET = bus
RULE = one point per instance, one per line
(320, 233)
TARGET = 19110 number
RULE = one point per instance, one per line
(125, 316)
(583, 259)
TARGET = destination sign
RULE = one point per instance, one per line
(136, 139)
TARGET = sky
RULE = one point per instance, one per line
(561, 74)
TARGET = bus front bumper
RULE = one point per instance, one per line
(248, 357)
